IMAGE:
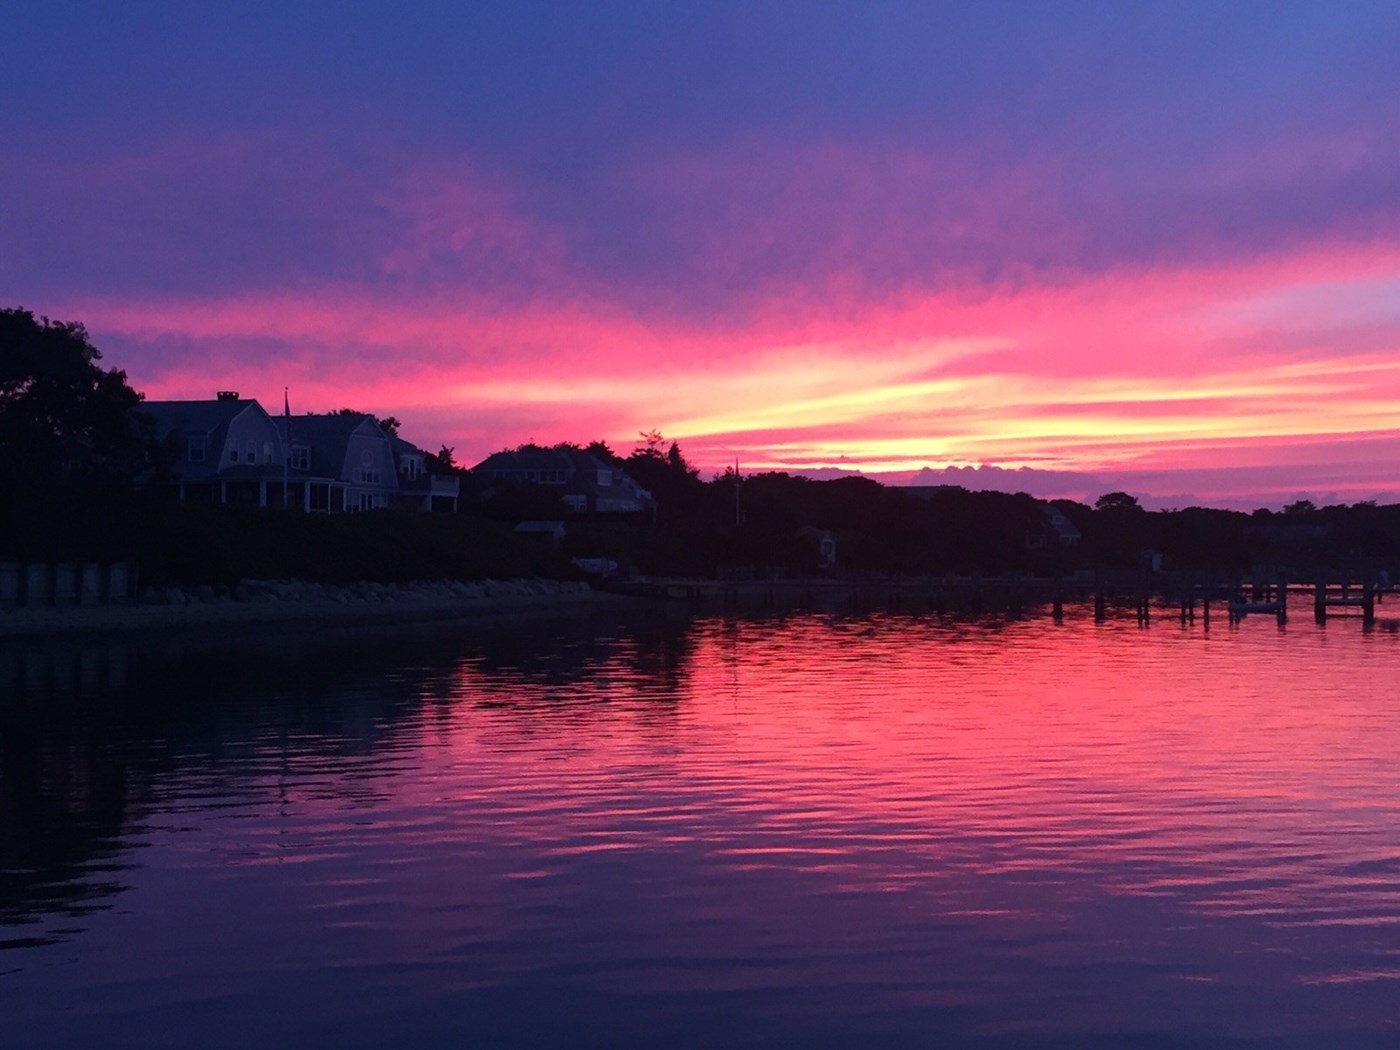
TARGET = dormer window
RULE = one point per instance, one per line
(196, 449)
(301, 457)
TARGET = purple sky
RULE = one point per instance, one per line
(1146, 246)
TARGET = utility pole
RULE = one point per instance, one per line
(738, 480)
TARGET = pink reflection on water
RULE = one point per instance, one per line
(873, 831)
(1078, 796)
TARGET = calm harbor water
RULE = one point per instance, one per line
(656, 831)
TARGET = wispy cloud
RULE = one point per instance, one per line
(1079, 239)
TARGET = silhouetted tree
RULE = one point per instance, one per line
(72, 441)
(603, 451)
(443, 461)
(58, 408)
(389, 424)
(649, 445)
(1117, 501)
(678, 462)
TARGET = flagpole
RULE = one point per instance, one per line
(286, 444)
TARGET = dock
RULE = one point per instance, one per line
(1184, 596)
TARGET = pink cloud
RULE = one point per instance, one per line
(1138, 371)
(455, 225)
(850, 218)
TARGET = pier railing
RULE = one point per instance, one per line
(1186, 596)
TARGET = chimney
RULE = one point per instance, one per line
(228, 395)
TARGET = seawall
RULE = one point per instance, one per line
(295, 601)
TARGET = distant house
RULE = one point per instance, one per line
(230, 450)
(226, 450)
(1056, 530)
(585, 482)
(340, 462)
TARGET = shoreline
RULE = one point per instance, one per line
(293, 603)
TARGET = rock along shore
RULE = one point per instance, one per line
(278, 601)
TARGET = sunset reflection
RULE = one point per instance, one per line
(971, 827)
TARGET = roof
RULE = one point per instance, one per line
(581, 469)
(405, 448)
(574, 460)
(192, 417)
(180, 420)
(328, 438)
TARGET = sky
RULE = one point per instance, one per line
(1051, 247)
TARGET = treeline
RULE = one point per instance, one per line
(80, 479)
(707, 527)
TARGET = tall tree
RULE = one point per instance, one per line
(1117, 501)
(70, 435)
(60, 412)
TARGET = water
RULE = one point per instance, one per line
(651, 831)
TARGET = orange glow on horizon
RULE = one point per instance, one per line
(1170, 367)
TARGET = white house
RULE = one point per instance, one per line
(230, 450)
(226, 450)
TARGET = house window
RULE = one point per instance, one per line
(301, 457)
(196, 450)
(267, 451)
(233, 453)
(369, 477)
(366, 500)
